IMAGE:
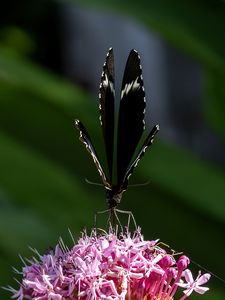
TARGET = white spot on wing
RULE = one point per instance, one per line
(107, 83)
(134, 85)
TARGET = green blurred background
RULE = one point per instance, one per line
(51, 57)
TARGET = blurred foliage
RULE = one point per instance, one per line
(15, 41)
(43, 166)
(195, 27)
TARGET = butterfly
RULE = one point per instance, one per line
(131, 125)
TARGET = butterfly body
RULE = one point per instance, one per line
(113, 196)
(131, 126)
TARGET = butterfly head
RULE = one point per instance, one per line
(113, 196)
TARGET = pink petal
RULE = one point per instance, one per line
(188, 276)
(201, 289)
(189, 291)
(204, 278)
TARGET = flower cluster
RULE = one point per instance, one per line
(107, 267)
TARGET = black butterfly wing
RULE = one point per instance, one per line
(147, 143)
(106, 106)
(131, 114)
(85, 139)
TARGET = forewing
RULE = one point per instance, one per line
(85, 139)
(147, 143)
(131, 114)
(106, 106)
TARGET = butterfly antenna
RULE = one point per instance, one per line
(205, 269)
(93, 183)
(194, 262)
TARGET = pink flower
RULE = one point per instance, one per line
(194, 285)
(108, 267)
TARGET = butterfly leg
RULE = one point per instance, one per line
(173, 252)
(114, 212)
(130, 216)
(99, 213)
(113, 218)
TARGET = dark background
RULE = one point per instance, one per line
(51, 57)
